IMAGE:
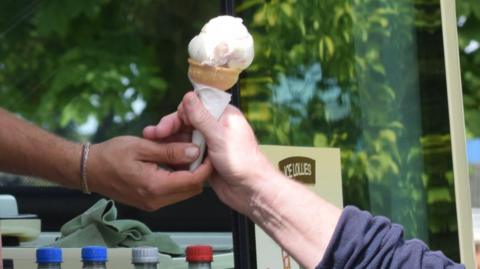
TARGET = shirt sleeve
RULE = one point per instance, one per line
(363, 241)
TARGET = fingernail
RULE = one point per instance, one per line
(191, 152)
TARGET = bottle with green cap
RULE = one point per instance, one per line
(145, 257)
(199, 257)
(94, 257)
(49, 258)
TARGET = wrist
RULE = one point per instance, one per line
(264, 190)
(68, 165)
(292, 215)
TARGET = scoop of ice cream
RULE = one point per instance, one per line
(223, 41)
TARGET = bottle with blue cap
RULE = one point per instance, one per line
(94, 257)
(49, 258)
(145, 257)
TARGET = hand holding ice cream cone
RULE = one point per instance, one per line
(217, 56)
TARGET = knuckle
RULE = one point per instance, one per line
(198, 189)
(146, 195)
(147, 189)
(199, 180)
(203, 117)
(148, 206)
(125, 139)
(193, 192)
(130, 174)
(196, 184)
(150, 189)
(170, 154)
(125, 142)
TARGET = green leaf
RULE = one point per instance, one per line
(320, 140)
(157, 83)
(330, 45)
(435, 195)
(388, 135)
(287, 9)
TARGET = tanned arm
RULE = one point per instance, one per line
(29, 150)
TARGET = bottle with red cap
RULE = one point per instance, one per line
(199, 257)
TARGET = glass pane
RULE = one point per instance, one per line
(368, 77)
(468, 14)
(92, 70)
(96, 69)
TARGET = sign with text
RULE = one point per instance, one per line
(320, 170)
(299, 168)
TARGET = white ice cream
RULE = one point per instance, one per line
(223, 41)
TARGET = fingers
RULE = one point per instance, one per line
(169, 153)
(199, 116)
(161, 187)
(182, 114)
(172, 187)
(168, 126)
(149, 132)
(162, 181)
(159, 201)
(150, 187)
(179, 137)
(149, 202)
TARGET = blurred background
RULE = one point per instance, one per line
(366, 76)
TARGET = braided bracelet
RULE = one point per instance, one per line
(83, 168)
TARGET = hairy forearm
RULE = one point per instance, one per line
(28, 150)
(296, 218)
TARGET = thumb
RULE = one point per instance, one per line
(199, 116)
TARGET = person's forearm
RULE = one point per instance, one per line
(296, 218)
(28, 150)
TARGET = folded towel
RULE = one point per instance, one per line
(99, 226)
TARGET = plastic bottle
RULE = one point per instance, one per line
(7, 264)
(49, 258)
(199, 257)
(145, 257)
(94, 257)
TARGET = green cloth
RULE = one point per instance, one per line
(99, 226)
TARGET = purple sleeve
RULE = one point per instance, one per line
(363, 241)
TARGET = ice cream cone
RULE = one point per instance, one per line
(217, 55)
(217, 77)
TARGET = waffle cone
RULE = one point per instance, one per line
(218, 77)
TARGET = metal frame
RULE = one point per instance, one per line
(243, 230)
(457, 133)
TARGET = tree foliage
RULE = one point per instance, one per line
(366, 76)
(122, 63)
(468, 13)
